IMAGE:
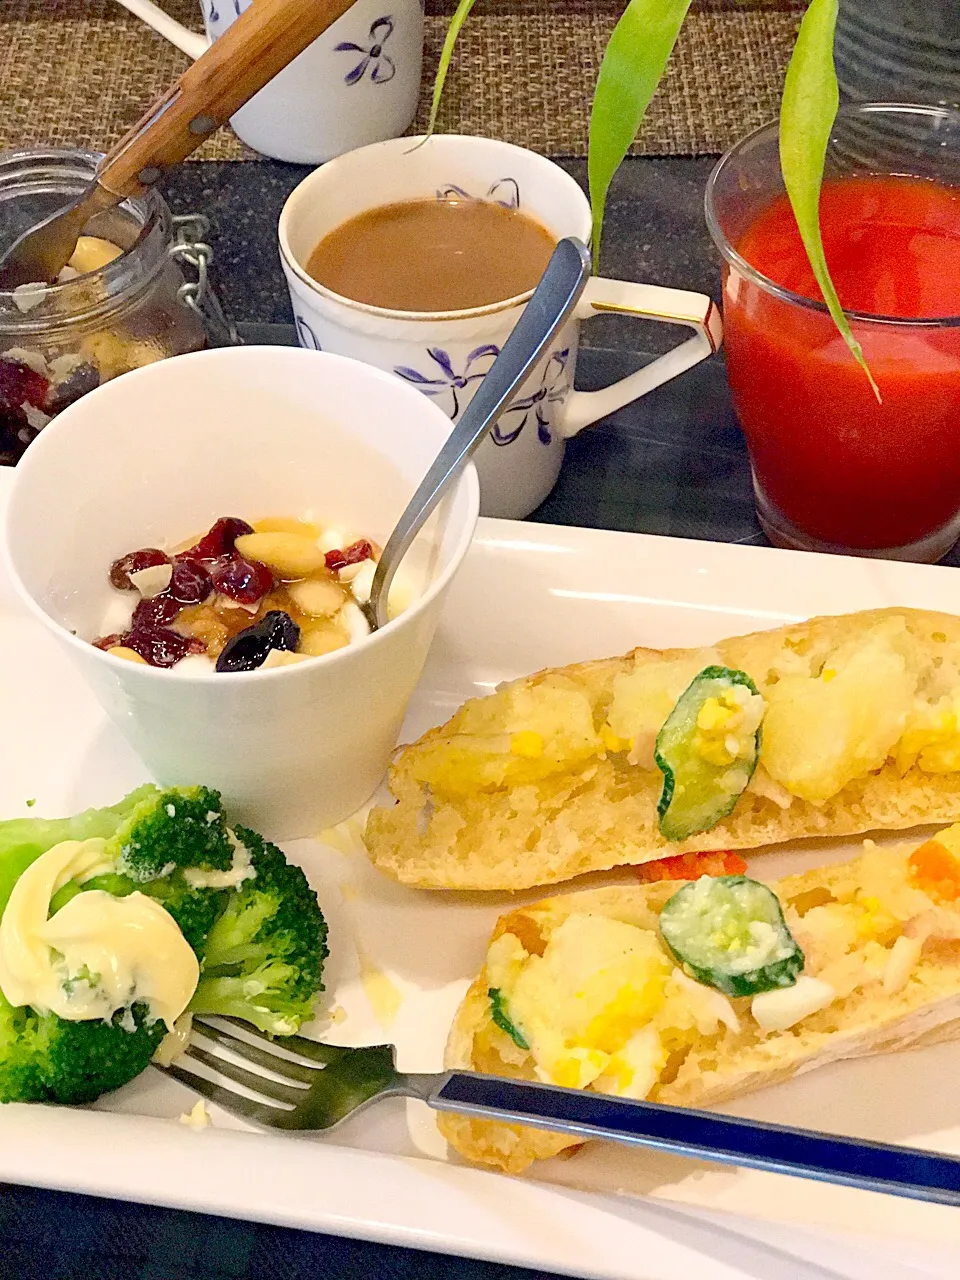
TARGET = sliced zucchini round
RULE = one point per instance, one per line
(707, 751)
(728, 932)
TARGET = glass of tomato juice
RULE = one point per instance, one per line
(834, 467)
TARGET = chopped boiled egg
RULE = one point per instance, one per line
(780, 1010)
(711, 1009)
(727, 726)
(904, 955)
(635, 1069)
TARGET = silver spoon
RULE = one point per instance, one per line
(550, 306)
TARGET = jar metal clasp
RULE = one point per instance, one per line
(190, 249)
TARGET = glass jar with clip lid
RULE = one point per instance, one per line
(137, 290)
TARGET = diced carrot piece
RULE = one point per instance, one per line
(691, 866)
(936, 870)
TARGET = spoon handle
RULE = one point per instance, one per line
(550, 306)
(264, 39)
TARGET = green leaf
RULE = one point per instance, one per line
(633, 63)
(453, 31)
(807, 115)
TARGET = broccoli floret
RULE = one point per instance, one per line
(156, 838)
(44, 1058)
(261, 944)
(264, 956)
(168, 833)
(172, 830)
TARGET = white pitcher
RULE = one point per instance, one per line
(358, 83)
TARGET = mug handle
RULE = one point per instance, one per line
(187, 42)
(649, 302)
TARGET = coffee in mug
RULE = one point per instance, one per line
(433, 255)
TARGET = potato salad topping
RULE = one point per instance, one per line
(626, 1006)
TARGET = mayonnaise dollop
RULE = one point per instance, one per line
(98, 953)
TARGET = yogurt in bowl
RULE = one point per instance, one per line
(255, 433)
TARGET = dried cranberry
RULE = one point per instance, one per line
(121, 569)
(190, 582)
(19, 383)
(161, 647)
(155, 612)
(354, 554)
(220, 539)
(359, 551)
(242, 580)
(249, 648)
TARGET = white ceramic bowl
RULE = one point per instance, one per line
(155, 456)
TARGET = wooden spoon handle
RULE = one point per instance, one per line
(262, 41)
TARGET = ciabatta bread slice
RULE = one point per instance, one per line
(477, 808)
(887, 996)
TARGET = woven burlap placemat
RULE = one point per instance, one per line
(80, 71)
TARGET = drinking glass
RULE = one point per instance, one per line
(833, 468)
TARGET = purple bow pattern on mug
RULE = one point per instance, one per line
(553, 388)
(533, 408)
(506, 192)
(382, 66)
(450, 383)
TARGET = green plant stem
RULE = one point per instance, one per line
(807, 114)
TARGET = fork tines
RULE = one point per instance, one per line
(276, 1097)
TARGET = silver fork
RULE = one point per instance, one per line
(321, 1084)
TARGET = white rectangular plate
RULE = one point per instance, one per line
(528, 596)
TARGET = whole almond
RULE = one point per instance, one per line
(291, 555)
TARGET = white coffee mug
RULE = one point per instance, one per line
(357, 83)
(446, 354)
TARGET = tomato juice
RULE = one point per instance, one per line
(830, 459)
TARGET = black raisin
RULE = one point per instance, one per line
(249, 648)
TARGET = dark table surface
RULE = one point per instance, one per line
(674, 463)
